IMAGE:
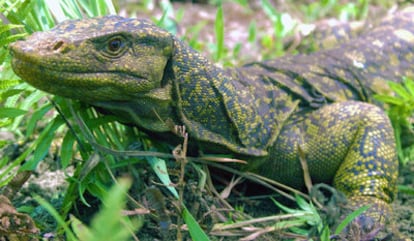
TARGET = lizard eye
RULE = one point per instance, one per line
(115, 46)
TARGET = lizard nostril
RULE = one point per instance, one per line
(58, 45)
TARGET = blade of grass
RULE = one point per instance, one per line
(8, 112)
(350, 217)
(409, 84)
(57, 217)
(219, 30)
(160, 169)
(195, 230)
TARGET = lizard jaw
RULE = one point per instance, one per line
(88, 86)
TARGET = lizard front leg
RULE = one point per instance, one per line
(348, 144)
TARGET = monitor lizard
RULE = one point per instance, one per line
(263, 112)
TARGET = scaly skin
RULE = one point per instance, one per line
(262, 112)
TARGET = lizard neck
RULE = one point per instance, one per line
(228, 107)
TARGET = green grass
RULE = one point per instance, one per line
(30, 116)
(401, 109)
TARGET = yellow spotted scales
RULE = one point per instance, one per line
(262, 112)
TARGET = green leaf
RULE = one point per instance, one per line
(219, 28)
(400, 90)
(389, 99)
(11, 38)
(64, 9)
(270, 10)
(406, 190)
(326, 233)
(196, 232)
(40, 17)
(42, 144)
(39, 114)
(110, 224)
(97, 8)
(409, 84)
(10, 92)
(303, 204)
(61, 222)
(166, 20)
(66, 152)
(29, 102)
(80, 229)
(4, 29)
(160, 168)
(285, 208)
(351, 217)
(194, 32)
(252, 32)
(8, 112)
(110, 6)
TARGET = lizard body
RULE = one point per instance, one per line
(262, 112)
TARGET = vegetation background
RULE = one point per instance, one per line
(53, 149)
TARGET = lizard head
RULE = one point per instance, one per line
(100, 59)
